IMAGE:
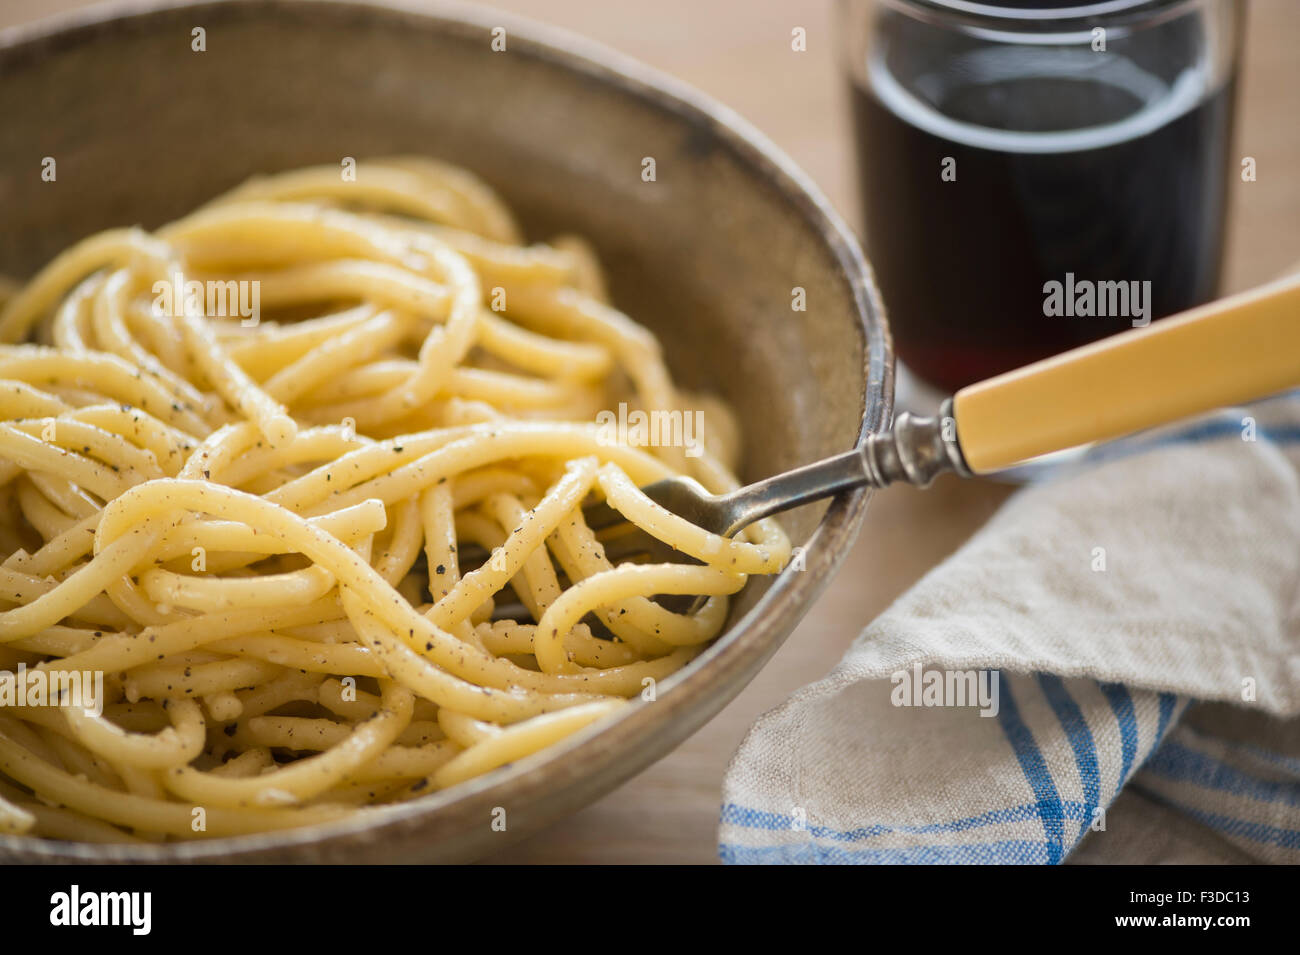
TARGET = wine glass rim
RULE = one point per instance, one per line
(999, 11)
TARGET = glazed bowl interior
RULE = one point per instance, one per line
(707, 255)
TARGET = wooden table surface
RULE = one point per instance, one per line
(739, 52)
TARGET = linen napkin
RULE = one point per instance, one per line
(1108, 671)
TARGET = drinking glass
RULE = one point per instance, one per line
(1038, 174)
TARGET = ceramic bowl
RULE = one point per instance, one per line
(143, 128)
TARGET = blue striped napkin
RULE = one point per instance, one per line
(1109, 671)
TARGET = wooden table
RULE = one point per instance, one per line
(739, 52)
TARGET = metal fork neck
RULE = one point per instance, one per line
(915, 450)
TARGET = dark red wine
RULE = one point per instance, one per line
(1063, 172)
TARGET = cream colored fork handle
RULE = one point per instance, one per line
(1232, 350)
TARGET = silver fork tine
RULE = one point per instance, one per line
(598, 515)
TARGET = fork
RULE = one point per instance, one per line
(1237, 349)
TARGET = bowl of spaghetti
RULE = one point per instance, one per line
(321, 323)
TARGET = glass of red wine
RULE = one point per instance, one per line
(1037, 174)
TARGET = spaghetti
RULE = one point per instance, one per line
(252, 530)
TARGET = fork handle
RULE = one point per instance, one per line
(1229, 351)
